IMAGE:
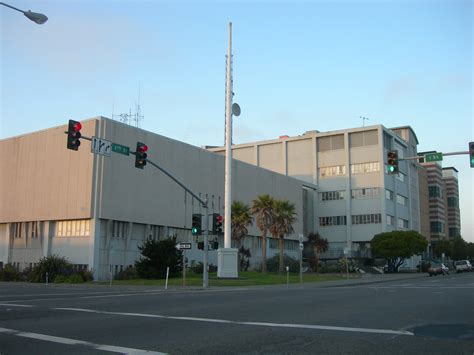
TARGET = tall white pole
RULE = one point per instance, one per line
(228, 148)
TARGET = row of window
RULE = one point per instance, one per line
(340, 170)
(356, 139)
(435, 191)
(371, 192)
(76, 228)
(25, 229)
(374, 218)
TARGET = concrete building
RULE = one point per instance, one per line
(450, 178)
(95, 210)
(356, 198)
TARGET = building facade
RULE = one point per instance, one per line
(96, 210)
(355, 197)
(450, 178)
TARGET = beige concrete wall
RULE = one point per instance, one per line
(149, 196)
(40, 179)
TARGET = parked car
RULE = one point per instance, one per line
(462, 265)
(438, 269)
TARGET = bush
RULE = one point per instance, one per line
(54, 265)
(157, 256)
(274, 262)
(127, 274)
(197, 268)
(9, 273)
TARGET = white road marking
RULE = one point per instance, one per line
(15, 305)
(68, 341)
(274, 325)
(144, 293)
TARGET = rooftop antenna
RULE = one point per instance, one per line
(130, 118)
(363, 120)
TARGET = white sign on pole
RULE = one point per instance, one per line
(301, 246)
(101, 146)
(181, 246)
(301, 238)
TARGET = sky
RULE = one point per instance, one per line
(297, 66)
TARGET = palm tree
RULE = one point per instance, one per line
(319, 245)
(241, 220)
(262, 209)
(284, 216)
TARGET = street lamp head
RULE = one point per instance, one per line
(36, 17)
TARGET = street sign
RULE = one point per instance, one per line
(433, 157)
(181, 246)
(121, 149)
(101, 146)
(301, 238)
(301, 246)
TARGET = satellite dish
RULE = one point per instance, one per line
(235, 109)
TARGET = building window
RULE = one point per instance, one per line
(454, 232)
(402, 223)
(74, 228)
(390, 220)
(332, 221)
(291, 244)
(120, 229)
(453, 202)
(359, 139)
(435, 191)
(401, 176)
(437, 227)
(16, 230)
(329, 171)
(367, 218)
(372, 192)
(365, 168)
(388, 194)
(332, 195)
(35, 229)
(331, 143)
(402, 200)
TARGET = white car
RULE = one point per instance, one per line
(462, 265)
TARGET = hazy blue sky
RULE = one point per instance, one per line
(298, 66)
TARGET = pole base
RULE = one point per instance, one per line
(227, 259)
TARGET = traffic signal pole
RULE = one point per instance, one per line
(205, 274)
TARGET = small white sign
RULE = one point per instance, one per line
(301, 246)
(301, 238)
(101, 146)
(181, 246)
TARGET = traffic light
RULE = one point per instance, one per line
(392, 162)
(196, 228)
(140, 155)
(74, 135)
(216, 223)
(471, 154)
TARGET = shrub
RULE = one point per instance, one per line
(274, 262)
(128, 274)
(54, 265)
(157, 256)
(197, 268)
(9, 273)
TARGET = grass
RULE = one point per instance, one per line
(246, 278)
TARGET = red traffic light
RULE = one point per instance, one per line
(143, 148)
(77, 126)
(219, 219)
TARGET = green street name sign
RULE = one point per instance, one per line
(121, 149)
(431, 157)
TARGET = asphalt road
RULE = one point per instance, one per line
(419, 315)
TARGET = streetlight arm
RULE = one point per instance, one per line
(33, 16)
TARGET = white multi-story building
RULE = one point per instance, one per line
(355, 197)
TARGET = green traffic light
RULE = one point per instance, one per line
(194, 230)
(391, 168)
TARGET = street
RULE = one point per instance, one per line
(419, 315)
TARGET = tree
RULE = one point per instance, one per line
(241, 220)
(262, 209)
(396, 246)
(318, 245)
(459, 249)
(157, 256)
(284, 216)
(443, 246)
